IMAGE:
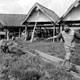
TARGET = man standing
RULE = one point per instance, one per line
(68, 36)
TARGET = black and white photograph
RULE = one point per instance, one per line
(39, 39)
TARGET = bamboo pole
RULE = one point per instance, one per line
(34, 28)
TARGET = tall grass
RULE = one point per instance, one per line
(27, 67)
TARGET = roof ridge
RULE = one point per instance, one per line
(43, 6)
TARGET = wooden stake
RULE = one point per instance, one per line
(34, 28)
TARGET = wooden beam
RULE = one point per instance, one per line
(34, 28)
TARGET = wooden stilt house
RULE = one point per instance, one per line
(40, 20)
(72, 16)
(10, 24)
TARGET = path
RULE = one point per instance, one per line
(57, 60)
(52, 59)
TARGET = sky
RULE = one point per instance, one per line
(23, 6)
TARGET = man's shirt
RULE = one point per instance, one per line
(68, 38)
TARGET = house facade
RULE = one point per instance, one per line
(72, 16)
(10, 24)
(40, 20)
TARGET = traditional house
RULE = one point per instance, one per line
(40, 18)
(72, 16)
(10, 23)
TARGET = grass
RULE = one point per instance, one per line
(27, 67)
(55, 49)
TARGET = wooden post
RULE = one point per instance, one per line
(34, 28)
(53, 33)
(61, 31)
(54, 28)
(19, 32)
(7, 34)
(26, 32)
